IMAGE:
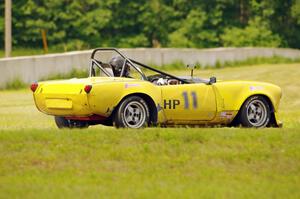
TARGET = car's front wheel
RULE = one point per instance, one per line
(255, 112)
(62, 122)
(132, 112)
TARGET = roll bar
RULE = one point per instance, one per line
(132, 63)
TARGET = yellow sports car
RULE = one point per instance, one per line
(125, 93)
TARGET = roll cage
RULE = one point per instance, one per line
(135, 64)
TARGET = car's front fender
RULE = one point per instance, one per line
(234, 93)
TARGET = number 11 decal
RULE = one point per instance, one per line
(186, 100)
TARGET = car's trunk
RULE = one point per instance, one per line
(63, 97)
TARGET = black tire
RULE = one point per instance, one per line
(62, 122)
(133, 112)
(255, 112)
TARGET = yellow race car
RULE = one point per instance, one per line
(125, 93)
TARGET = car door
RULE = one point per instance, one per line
(189, 102)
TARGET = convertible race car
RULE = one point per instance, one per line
(126, 93)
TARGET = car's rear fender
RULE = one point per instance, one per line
(151, 105)
(105, 97)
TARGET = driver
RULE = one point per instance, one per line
(117, 63)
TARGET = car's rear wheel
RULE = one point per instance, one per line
(62, 122)
(255, 112)
(133, 112)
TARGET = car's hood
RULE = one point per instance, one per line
(243, 82)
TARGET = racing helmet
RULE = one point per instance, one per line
(117, 63)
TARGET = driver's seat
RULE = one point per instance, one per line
(110, 71)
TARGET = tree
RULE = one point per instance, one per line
(80, 24)
(256, 33)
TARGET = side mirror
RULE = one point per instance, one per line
(191, 66)
(212, 80)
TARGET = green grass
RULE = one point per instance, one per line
(17, 83)
(78, 73)
(39, 161)
(179, 65)
(150, 163)
(254, 61)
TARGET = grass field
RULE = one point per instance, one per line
(39, 161)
